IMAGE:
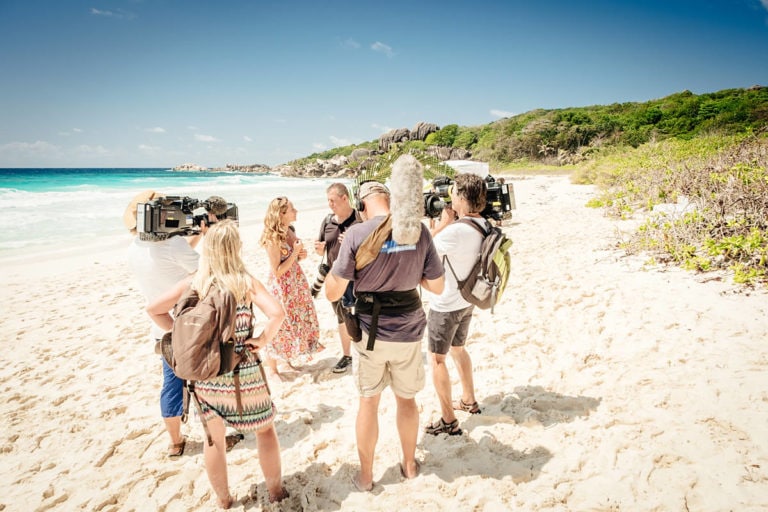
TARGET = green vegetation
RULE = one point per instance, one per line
(707, 151)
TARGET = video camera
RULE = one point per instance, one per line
(498, 200)
(169, 216)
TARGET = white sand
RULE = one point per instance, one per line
(604, 386)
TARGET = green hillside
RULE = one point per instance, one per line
(707, 153)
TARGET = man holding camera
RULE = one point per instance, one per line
(331, 234)
(159, 265)
(458, 244)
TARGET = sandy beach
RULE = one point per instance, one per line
(605, 386)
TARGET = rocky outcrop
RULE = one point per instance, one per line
(422, 129)
(445, 153)
(190, 167)
(359, 154)
(393, 137)
(257, 168)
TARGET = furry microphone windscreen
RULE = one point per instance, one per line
(407, 203)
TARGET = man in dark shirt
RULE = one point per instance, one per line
(331, 235)
(395, 360)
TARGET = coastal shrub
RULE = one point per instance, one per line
(715, 193)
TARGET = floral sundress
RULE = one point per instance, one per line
(299, 336)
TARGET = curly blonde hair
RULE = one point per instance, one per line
(274, 231)
(221, 264)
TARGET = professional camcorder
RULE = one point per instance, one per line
(322, 271)
(169, 216)
(498, 200)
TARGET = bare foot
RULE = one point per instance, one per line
(276, 498)
(360, 486)
(227, 502)
(415, 469)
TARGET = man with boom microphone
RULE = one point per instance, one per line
(387, 271)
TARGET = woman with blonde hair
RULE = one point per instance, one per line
(222, 267)
(299, 336)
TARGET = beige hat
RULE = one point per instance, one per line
(372, 187)
(129, 216)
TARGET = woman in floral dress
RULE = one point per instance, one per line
(299, 336)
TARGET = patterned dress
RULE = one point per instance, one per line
(299, 335)
(217, 395)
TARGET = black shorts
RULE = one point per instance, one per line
(448, 329)
(339, 310)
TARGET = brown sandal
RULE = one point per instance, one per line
(460, 405)
(441, 427)
(176, 450)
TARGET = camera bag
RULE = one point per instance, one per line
(488, 277)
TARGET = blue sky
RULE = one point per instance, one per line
(156, 83)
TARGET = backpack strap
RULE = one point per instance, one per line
(190, 385)
(483, 232)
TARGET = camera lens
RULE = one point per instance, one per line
(322, 271)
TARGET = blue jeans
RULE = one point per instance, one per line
(172, 394)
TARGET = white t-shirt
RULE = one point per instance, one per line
(160, 265)
(461, 244)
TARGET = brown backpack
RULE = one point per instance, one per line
(201, 346)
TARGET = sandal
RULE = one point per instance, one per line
(232, 439)
(441, 427)
(176, 450)
(460, 405)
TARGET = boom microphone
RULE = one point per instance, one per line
(407, 203)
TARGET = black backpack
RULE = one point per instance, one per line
(488, 278)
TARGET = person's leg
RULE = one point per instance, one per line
(344, 338)
(367, 434)
(216, 462)
(442, 382)
(461, 357)
(172, 407)
(464, 368)
(345, 362)
(408, 429)
(442, 328)
(269, 459)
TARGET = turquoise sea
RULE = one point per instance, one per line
(58, 209)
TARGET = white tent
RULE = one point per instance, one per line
(482, 169)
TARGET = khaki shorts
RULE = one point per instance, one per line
(397, 364)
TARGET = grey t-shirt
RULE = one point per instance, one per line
(396, 268)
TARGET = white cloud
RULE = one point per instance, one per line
(77, 130)
(382, 48)
(318, 146)
(148, 149)
(91, 150)
(503, 113)
(156, 129)
(39, 146)
(192, 128)
(351, 43)
(205, 138)
(247, 138)
(117, 14)
(337, 141)
(382, 129)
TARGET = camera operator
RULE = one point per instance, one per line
(331, 234)
(449, 313)
(158, 265)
